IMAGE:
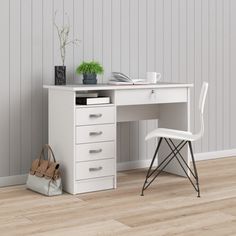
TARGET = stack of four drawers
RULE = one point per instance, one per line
(95, 167)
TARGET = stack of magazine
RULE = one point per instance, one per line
(90, 98)
(119, 78)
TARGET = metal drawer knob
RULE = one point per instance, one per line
(95, 168)
(95, 151)
(95, 115)
(95, 133)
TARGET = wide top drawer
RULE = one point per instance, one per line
(95, 115)
(151, 96)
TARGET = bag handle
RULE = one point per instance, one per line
(50, 153)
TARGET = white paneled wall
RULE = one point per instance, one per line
(186, 40)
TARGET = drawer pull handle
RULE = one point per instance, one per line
(95, 151)
(95, 133)
(95, 168)
(95, 115)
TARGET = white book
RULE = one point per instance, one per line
(92, 101)
(119, 78)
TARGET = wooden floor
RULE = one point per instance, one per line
(169, 207)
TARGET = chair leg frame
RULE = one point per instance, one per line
(175, 153)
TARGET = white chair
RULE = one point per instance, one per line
(186, 138)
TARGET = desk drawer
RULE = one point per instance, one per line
(95, 133)
(95, 115)
(89, 185)
(94, 169)
(94, 151)
(151, 96)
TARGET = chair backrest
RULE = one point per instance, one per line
(202, 100)
(202, 97)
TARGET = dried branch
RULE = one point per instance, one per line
(63, 36)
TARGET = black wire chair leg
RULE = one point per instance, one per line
(182, 158)
(177, 158)
(175, 152)
(194, 167)
(157, 169)
(150, 167)
(180, 146)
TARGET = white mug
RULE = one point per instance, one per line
(153, 77)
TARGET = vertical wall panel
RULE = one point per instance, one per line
(197, 66)
(133, 38)
(134, 141)
(118, 143)
(15, 81)
(124, 142)
(125, 68)
(219, 74)
(37, 81)
(79, 34)
(151, 36)
(159, 37)
(205, 67)
(142, 147)
(88, 30)
(58, 10)
(4, 89)
(151, 64)
(175, 40)
(191, 54)
(116, 35)
(167, 59)
(186, 40)
(133, 72)
(116, 54)
(69, 20)
(97, 32)
(26, 81)
(212, 76)
(48, 67)
(226, 74)
(232, 72)
(151, 144)
(125, 36)
(142, 20)
(182, 40)
(107, 50)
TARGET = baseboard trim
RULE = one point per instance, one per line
(198, 156)
(21, 179)
(13, 180)
(215, 155)
(129, 165)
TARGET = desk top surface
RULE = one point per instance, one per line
(82, 87)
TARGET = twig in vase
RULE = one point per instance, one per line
(63, 35)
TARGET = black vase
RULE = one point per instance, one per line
(60, 75)
(90, 79)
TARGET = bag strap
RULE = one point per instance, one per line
(50, 153)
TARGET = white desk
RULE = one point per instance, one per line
(84, 137)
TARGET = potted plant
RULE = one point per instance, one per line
(63, 36)
(90, 70)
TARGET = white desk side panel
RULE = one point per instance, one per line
(61, 133)
(175, 116)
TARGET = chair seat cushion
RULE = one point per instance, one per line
(171, 133)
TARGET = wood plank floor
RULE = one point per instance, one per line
(169, 207)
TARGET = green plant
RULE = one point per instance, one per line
(89, 68)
